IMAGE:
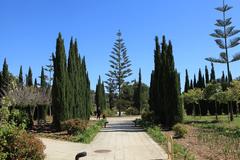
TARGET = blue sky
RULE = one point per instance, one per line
(28, 32)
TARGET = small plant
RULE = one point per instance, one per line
(74, 126)
(180, 130)
(147, 116)
(132, 111)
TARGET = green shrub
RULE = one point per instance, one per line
(147, 116)
(19, 118)
(132, 111)
(156, 134)
(109, 113)
(74, 126)
(26, 146)
(4, 115)
(88, 134)
(16, 144)
(180, 130)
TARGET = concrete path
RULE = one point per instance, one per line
(119, 141)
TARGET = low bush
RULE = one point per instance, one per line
(88, 135)
(147, 116)
(132, 111)
(109, 113)
(180, 130)
(75, 126)
(16, 144)
(156, 134)
(19, 118)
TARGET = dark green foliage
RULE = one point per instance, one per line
(35, 83)
(120, 66)
(100, 98)
(138, 94)
(212, 75)
(186, 86)
(191, 85)
(71, 86)
(200, 82)
(59, 98)
(4, 79)
(29, 78)
(164, 89)
(194, 81)
(43, 82)
(20, 77)
(206, 75)
(111, 88)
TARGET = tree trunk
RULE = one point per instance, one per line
(216, 113)
(231, 111)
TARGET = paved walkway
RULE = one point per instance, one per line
(119, 141)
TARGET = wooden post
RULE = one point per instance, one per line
(170, 148)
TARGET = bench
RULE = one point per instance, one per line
(105, 124)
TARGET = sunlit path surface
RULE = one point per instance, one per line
(119, 141)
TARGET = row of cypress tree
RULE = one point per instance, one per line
(71, 86)
(164, 91)
(204, 79)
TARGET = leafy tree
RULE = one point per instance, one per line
(193, 96)
(223, 35)
(209, 93)
(120, 65)
(29, 78)
(164, 88)
(111, 89)
(186, 86)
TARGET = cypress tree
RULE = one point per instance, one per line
(191, 84)
(206, 75)
(100, 96)
(164, 87)
(59, 88)
(186, 87)
(137, 96)
(199, 82)
(43, 82)
(35, 83)
(4, 79)
(212, 75)
(29, 80)
(195, 82)
(20, 77)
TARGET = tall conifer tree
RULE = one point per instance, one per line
(186, 86)
(29, 78)
(20, 77)
(207, 75)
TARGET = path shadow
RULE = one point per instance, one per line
(122, 127)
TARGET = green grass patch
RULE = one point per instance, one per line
(88, 135)
(223, 126)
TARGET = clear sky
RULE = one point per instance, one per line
(29, 28)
